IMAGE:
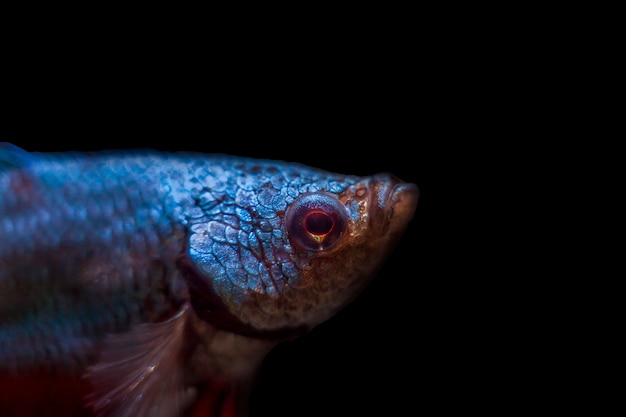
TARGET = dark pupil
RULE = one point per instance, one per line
(318, 223)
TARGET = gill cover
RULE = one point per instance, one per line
(278, 273)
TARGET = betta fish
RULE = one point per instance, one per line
(151, 283)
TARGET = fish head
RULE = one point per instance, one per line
(311, 243)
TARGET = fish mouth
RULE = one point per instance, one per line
(402, 202)
(394, 203)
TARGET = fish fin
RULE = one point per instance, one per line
(12, 156)
(139, 372)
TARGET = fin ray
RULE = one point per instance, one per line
(139, 373)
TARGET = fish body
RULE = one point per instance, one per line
(154, 284)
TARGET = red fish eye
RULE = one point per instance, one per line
(315, 221)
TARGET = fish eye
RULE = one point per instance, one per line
(316, 221)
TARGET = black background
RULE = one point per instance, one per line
(439, 100)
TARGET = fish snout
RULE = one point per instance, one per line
(393, 203)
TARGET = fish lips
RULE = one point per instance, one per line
(393, 205)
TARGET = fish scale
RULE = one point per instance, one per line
(163, 278)
(123, 237)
